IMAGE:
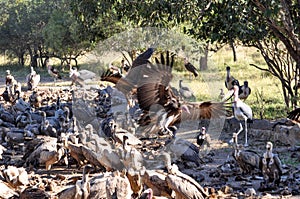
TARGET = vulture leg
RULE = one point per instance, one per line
(167, 123)
(276, 176)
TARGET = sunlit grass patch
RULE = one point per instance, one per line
(266, 98)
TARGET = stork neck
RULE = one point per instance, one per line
(236, 93)
(228, 75)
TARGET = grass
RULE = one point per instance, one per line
(266, 99)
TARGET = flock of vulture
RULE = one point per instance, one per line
(135, 153)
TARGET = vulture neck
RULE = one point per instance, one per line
(235, 145)
(85, 175)
(269, 154)
(180, 83)
(150, 194)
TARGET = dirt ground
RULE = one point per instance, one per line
(219, 172)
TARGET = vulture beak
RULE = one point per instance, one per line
(185, 108)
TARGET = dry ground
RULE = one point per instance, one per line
(60, 177)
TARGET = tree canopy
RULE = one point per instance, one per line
(270, 26)
(68, 28)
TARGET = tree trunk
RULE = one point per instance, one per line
(233, 51)
(21, 60)
(203, 59)
(296, 86)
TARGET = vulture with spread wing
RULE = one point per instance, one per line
(155, 95)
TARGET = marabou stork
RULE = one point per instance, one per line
(245, 91)
(230, 79)
(241, 110)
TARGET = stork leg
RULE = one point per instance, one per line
(241, 129)
(246, 132)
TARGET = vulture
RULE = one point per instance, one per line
(74, 75)
(185, 92)
(48, 152)
(271, 167)
(35, 99)
(16, 176)
(7, 95)
(34, 193)
(248, 160)
(203, 138)
(148, 194)
(154, 94)
(183, 185)
(81, 189)
(110, 185)
(6, 191)
(190, 67)
(222, 94)
(124, 65)
(52, 71)
(33, 79)
(184, 150)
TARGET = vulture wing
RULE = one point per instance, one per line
(121, 83)
(191, 68)
(154, 89)
(204, 110)
(278, 164)
(294, 115)
(111, 77)
(142, 59)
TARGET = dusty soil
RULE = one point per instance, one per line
(219, 172)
